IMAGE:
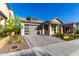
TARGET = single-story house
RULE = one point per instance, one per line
(32, 26)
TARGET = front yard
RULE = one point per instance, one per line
(14, 44)
(10, 38)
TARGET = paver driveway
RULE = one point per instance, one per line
(41, 40)
(48, 47)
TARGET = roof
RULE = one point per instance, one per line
(58, 20)
(71, 23)
(26, 21)
(3, 15)
(11, 9)
(54, 22)
(7, 5)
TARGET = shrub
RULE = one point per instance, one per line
(68, 39)
(60, 35)
(16, 30)
(76, 35)
(3, 34)
(14, 39)
(71, 37)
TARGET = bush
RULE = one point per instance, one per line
(3, 34)
(76, 35)
(60, 35)
(77, 32)
(16, 30)
(68, 39)
(14, 39)
(71, 37)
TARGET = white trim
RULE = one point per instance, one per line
(42, 29)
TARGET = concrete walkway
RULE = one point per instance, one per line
(55, 48)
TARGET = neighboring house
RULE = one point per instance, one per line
(5, 13)
(71, 28)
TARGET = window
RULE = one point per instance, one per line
(26, 29)
(53, 28)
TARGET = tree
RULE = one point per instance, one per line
(17, 26)
(10, 23)
(1, 26)
(17, 21)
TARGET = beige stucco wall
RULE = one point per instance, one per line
(61, 29)
(2, 22)
(11, 13)
(52, 32)
(4, 9)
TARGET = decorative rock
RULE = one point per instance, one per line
(13, 47)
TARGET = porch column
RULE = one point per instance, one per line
(49, 28)
(61, 29)
(74, 30)
(56, 29)
(43, 29)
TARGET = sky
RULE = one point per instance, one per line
(66, 12)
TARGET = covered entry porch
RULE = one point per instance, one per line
(52, 27)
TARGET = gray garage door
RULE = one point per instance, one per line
(32, 30)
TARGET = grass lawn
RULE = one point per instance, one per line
(20, 46)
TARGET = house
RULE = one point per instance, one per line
(52, 27)
(11, 13)
(5, 13)
(71, 28)
(30, 26)
(33, 26)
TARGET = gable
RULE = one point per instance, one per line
(56, 21)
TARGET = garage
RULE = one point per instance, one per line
(33, 30)
(29, 28)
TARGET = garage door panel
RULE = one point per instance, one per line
(32, 30)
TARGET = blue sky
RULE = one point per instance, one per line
(66, 12)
